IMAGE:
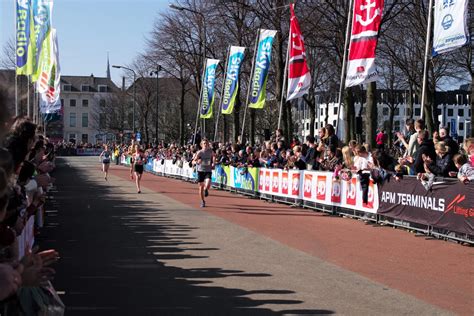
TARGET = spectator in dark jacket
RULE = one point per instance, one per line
(426, 148)
(443, 136)
(444, 163)
(310, 156)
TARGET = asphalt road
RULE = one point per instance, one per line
(157, 253)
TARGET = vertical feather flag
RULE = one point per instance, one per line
(207, 99)
(299, 77)
(366, 21)
(231, 84)
(262, 65)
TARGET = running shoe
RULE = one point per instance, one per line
(206, 192)
(203, 204)
(139, 192)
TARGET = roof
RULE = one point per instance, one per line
(77, 81)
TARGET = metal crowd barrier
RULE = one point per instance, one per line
(446, 211)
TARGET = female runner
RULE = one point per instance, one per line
(105, 157)
(139, 161)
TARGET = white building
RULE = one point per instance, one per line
(453, 111)
(82, 98)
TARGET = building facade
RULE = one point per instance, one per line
(453, 110)
(84, 100)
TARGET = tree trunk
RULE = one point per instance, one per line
(371, 114)
(471, 100)
(289, 119)
(312, 118)
(236, 127)
(349, 116)
(252, 127)
(410, 102)
(181, 115)
(390, 126)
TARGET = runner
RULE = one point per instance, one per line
(204, 159)
(140, 160)
(131, 153)
(105, 158)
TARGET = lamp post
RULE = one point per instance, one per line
(157, 72)
(134, 91)
(202, 36)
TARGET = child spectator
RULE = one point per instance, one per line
(466, 170)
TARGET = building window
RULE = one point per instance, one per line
(322, 112)
(307, 126)
(72, 119)
(102, 120)
(66, 87)
(439, 111)
(385, 111)
(102, 103)
(85, 88)
(72, 102)
(450, 112)
(102, 88)
(397, 111)
(334, 123)
(397, 126)
(72, 137)
(62, 102)
(85, 120)
(335, 110)
(460, 112)
(85, 138)
(461, 126)
(417, 111)
(85, 103)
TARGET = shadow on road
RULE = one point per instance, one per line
(112, 247)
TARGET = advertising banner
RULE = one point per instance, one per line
(262, 63)
(24, 59)
(299, 77)
(450, 25)
(366, 21)
(208, 95)
(245, 178)
(41, 21)
(448, 205)
(231, 84)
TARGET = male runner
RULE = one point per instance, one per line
(204, 159)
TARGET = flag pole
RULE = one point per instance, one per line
(344, 64)
(28, 111)
(425, 66)
(285, 75)
(199, 102)
(17, 112)
(249, 86)
(219, 109)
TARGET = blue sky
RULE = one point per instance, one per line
(88, 29)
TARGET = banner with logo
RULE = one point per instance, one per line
(262, 63)
(299, 77)
(450, 25)
(231, 84)
(24, 61)
(41, 21)
(221, 175)
(48, 84)
(245, 178)
(448, 205)
(207, 100)
(366, 20)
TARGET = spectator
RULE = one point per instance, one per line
(443, 136)
(347, 157)
(363, 159)
(425, 148)
(381, 139)
(310, 157)
(468, 147)
(443, 164)
(466, 170)
(334, 158)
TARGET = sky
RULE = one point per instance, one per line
(89, 29)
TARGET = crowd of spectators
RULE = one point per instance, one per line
(26, 159)
(420, 155)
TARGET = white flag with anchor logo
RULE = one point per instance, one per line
(450, 27)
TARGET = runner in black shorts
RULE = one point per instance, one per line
(105, 157)
(139, 161)
(204, 160)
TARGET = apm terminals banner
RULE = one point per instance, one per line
(448, 205)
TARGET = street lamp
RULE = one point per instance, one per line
(157, 72)
(134, 91)
(202, 36)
